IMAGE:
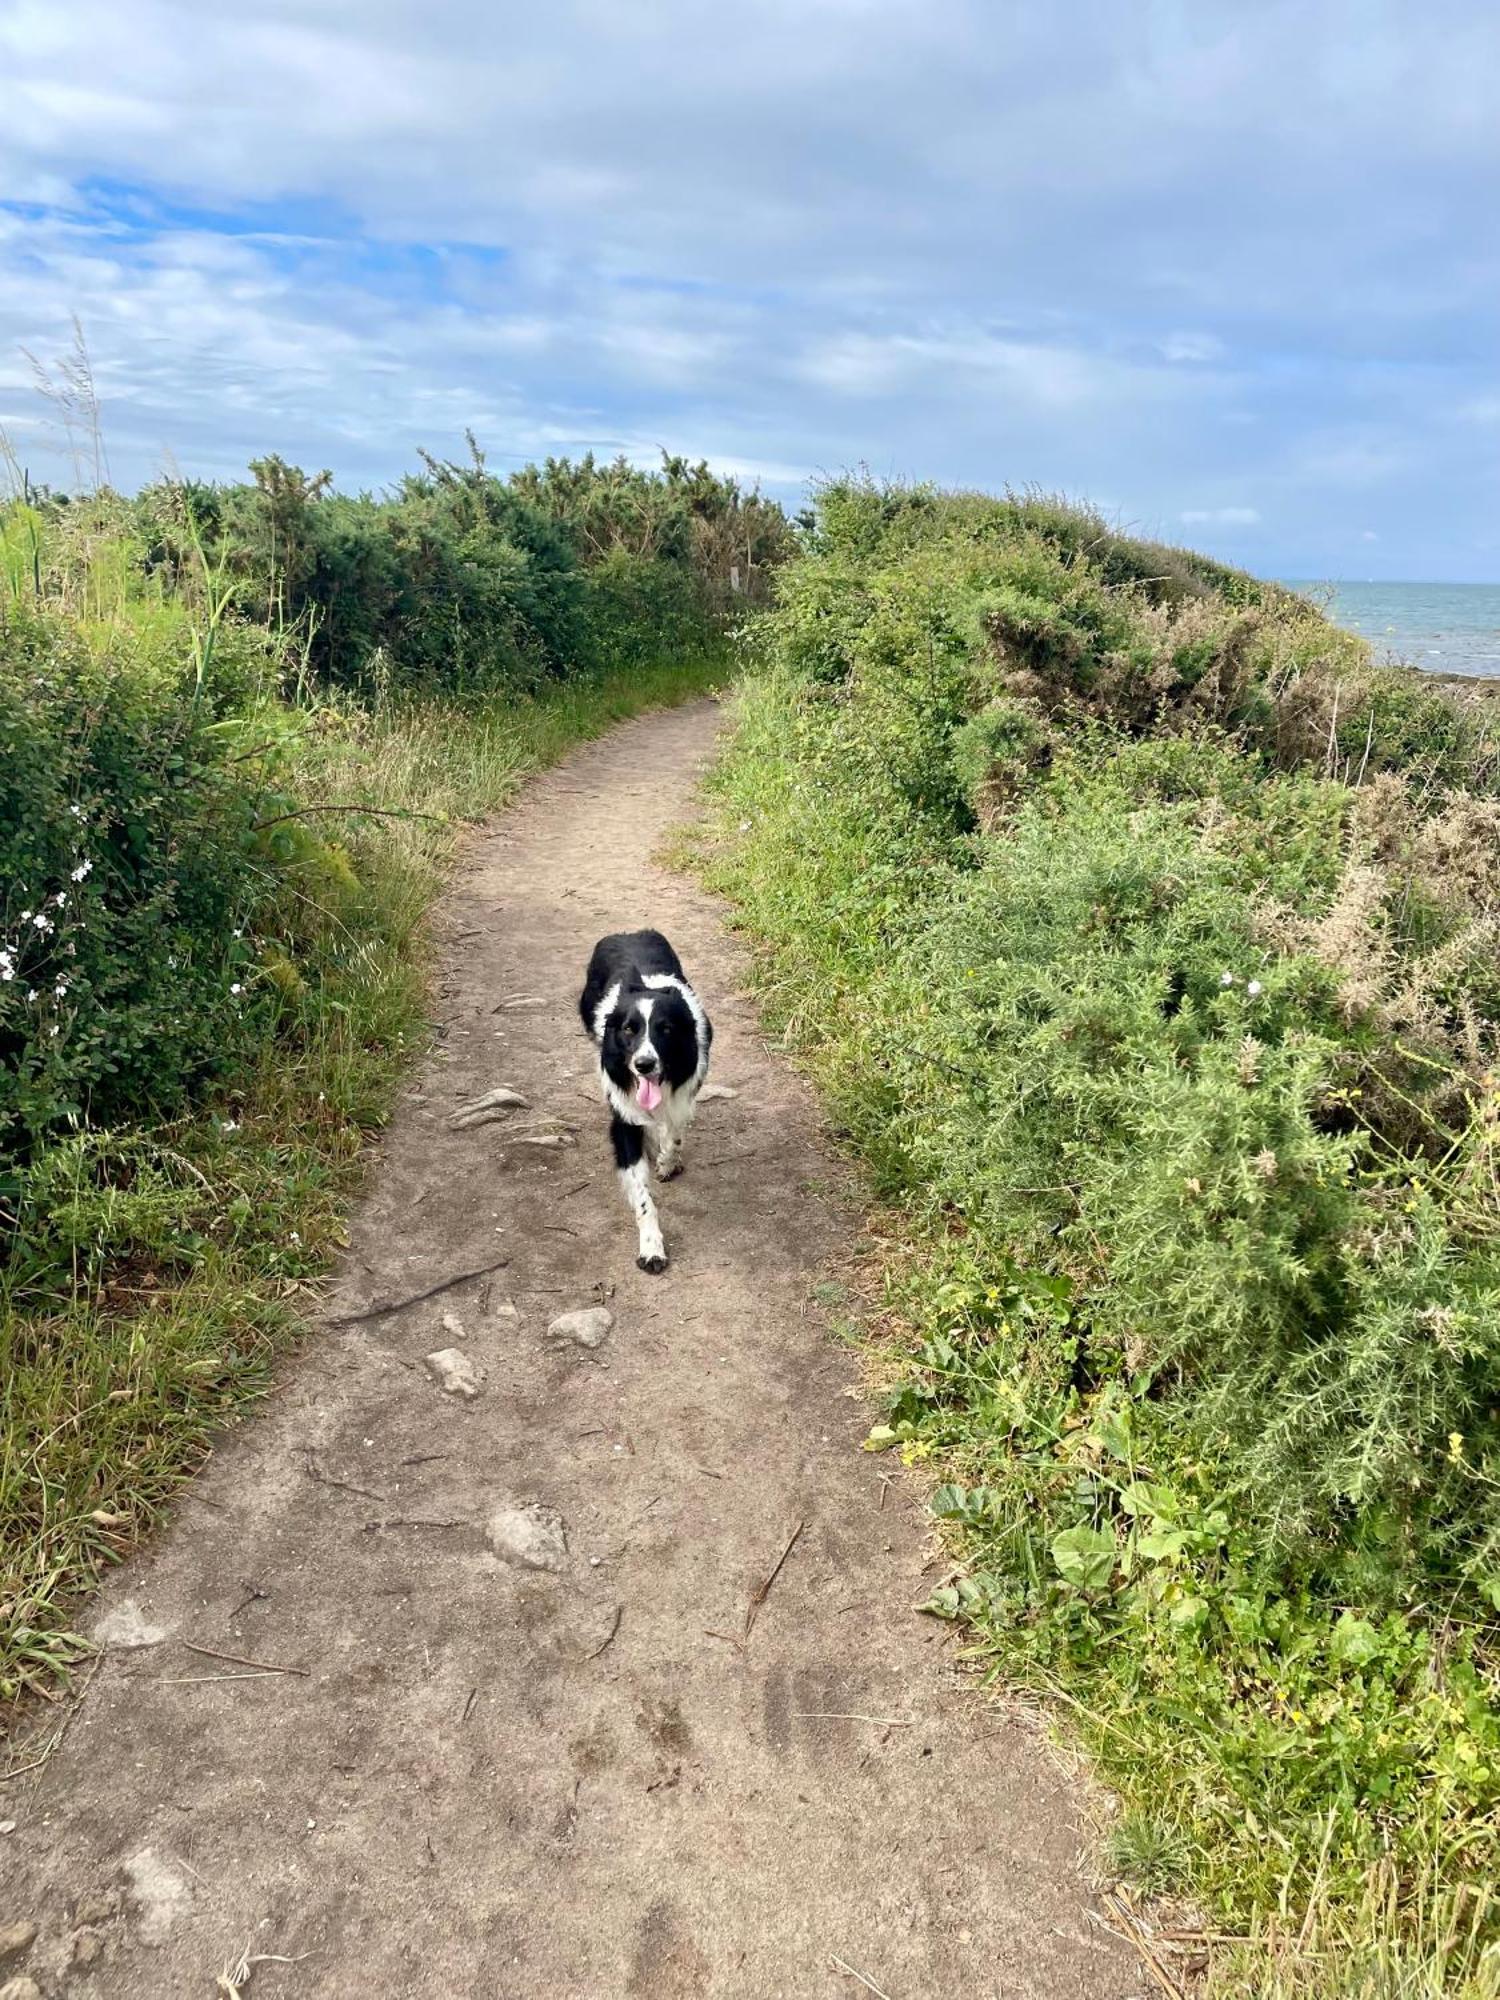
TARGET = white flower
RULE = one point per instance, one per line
(76, 811)
(7, 970)
(62, 902)
(61, 988)
(41, 922)
(1226, 979)
(55, 1031)
(31, 993)
(25, 916)
(1254, 989)
(229, 1125)
(83, 868)
(236, 988)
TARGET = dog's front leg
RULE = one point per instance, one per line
(630, 1159)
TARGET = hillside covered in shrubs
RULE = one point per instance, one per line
(239, 729)
(1142, 936)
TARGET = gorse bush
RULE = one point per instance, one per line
(464, 583)
(1143, 937)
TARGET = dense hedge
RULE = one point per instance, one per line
(463, 583)
(1144, 938)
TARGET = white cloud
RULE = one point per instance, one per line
(1220, 517)
(1192, 347)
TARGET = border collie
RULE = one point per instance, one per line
(653, 1040)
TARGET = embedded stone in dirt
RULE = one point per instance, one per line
(455, 1372)
(454, 1325)
(126, 1626)
(712, 1090)
(21, 1989)
(530, 1535)
(507, 1309)
(585, 1328)
(88, 1946)
(158, 1892)
(15, 1941)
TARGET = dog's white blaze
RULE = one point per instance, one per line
(638, 1194)
(647, 1047)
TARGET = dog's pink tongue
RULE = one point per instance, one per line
(648, 1092)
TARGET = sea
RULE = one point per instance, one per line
(1448, 628)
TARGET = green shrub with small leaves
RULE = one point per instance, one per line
(1142, 937)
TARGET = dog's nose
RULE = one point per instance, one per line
(646, 1064)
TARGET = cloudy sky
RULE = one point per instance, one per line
(1230, 270)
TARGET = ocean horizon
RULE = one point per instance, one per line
(1445, 628)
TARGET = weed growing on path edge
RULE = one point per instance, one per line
(178, 1253)
(1054, 881)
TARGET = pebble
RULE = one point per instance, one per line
(125, 1627)
(15, 1940)
(86, 1949)
(712, 1090)
(454, 1325)
(586, 1327)
(21, 1989)
(455, 1372)
(530, 1535)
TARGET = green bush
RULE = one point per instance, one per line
(1143, 939)
(129, 863)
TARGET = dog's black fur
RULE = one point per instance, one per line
(653, 1037)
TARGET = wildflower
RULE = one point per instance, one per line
(1226, 979)
(25, 916)
(83, 868)
(1455, 1447)
(41, 922)
(76, 811)
(1254, 989)
(30, 992)
(61, 901)
(55, 1031)
(236, 988)
(61, 989)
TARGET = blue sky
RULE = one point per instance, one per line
(1231, 271)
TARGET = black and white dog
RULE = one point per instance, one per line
(653, 1039)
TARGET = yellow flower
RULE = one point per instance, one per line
(1455, 1446)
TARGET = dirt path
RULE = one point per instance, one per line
(584, 1782)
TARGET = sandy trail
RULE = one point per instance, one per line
(507, 1782)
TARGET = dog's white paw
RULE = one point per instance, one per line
(668, 1170)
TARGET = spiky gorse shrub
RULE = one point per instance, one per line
(1143, 937)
